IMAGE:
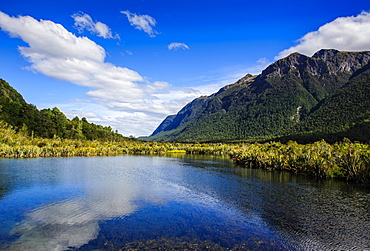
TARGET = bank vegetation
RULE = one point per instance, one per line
(345, 160)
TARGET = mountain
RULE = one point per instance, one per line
(8, 93)
(297, 97)
(47, 123)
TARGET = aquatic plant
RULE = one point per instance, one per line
(346, 160)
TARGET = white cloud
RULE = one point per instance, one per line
(344, 33)
(142, 22)
(49, 40)
(121, 92)
(84, 21)
(175, 46)
(118, 97)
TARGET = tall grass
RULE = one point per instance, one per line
(346, 160)
(350, 161)
(20, 145)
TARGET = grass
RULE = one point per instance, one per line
(176, 151)
(344, 160)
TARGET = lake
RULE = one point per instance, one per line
(173, 203)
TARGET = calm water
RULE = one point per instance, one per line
(193, 202)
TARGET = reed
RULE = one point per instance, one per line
(346, 160)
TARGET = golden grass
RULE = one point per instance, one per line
(347, 160)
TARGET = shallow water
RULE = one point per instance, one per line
(189, 202)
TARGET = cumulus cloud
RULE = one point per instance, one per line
(84, 21)
(50, 40)
(344, 33)
(175, 46)
(57, 53)
(142, 22)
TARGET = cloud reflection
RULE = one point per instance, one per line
(116, 187)
(73, 222)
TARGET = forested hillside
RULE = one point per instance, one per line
(47, 123)
(345, 113)
(298, 97)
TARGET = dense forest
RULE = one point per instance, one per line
(48, 123)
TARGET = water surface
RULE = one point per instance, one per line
(194, 202)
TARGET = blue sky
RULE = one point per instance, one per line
(129, 64)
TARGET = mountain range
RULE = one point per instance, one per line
(325, 96)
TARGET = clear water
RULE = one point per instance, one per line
(166, 203)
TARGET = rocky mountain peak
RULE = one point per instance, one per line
(284, 65)
(325, 61)
(325, 54)
(342, 61)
